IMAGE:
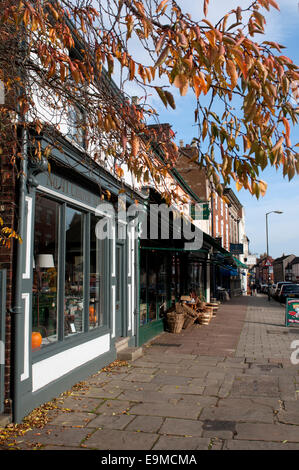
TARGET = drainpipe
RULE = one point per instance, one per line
(18, 331)
(137, 292)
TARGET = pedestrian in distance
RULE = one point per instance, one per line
(253, 289)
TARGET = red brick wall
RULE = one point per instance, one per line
(189, 169)
(220, 213)
(8, 214)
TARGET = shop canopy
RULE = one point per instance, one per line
(239, 264)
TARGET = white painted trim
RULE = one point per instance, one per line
(71, 200)
(26, 274)
(113, 273)
(133, 286)
(129, 253)
(129, 307)
(113, 310)
(55, 367)
(26, 298)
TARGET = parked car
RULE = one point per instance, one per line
(264, 288)
(278, 288)
(288, 290)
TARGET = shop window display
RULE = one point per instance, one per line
(58, 284)
(74, 272)
(96, 281)
(45, 269)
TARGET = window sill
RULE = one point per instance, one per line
(69, 342)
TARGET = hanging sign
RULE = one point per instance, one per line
(236, 248)
(292, 312)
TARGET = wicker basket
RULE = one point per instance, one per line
(175, 322)
(206, 316)
(214, 308)
(189, 311)
(188, 321)
(179, 308)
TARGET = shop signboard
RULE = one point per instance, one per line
(200, 211)
(236, 248)
(292, 312)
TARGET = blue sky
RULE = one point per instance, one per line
(282, 27)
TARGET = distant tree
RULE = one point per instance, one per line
(62, 47)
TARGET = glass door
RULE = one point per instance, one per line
(119, 305)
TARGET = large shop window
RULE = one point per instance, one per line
(96, 281)
(68, 281)
(74, 272)
(45, 268)
(154, 286)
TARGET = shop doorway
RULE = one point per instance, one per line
(119, 301)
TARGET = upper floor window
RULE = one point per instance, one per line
(76, 125)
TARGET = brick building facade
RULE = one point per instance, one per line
(8, 215)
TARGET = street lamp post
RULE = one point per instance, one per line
(267, 236)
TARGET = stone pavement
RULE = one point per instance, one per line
(229, 385)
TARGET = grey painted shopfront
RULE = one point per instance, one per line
(78, 291)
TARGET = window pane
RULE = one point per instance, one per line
(152, 287)
(162, 284)
(74, 264)
(96, 316)
(143, 288)
(45, 268)
(75, 124)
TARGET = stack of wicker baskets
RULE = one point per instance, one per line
(206, 316)
(190, 316)
(175, 321)
(183, 316)
(214, 306)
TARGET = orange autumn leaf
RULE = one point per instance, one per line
(232, 72)
(181, 81)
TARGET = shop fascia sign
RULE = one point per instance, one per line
(236, 248)
(200, 211)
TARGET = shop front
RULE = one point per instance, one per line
(77, 287)
(166, 274)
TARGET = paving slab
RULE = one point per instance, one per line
(267, 432)
(107, 421)
(289, 414)
(259, 445)
(81, 403)
(108, 439)
(112, 407)
(63, 436)
(181, 427)
(166, 410)
(145, 424)
(108, 391)
(74, 418)
(247, 386)
(182, 443)
(239, 410)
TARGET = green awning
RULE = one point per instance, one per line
(239, 263)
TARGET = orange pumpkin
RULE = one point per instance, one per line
(92, 317)
(36, 339)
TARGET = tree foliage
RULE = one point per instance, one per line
(69, 49)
